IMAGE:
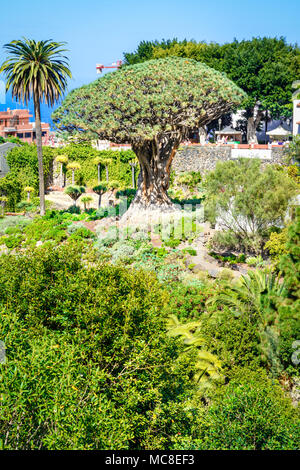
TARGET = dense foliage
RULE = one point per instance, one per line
(88, 362)
(246, 202)
(142, 102)
(264, 68)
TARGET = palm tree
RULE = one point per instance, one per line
(38, 70)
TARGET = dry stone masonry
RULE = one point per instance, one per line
(204, 159)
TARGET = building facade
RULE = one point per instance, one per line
(16, 123)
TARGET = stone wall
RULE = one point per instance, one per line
(204, 159)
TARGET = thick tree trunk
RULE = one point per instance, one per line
(252, 125)
(151, 198)
(202, 135)
(107, 174)
(38, 130)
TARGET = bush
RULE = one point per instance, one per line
(23, 165)
(276, 244)
(118, 168)
(89, 364)
(246, 201)
(11, 187)
(252, 413)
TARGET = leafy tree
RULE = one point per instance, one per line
(145, 51)
(74, 192)
(150, 105)
(38, 70)
(247, 201)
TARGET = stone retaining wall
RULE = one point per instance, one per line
(204, 159)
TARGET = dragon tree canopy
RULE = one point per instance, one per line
(151, 105)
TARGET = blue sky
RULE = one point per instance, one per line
(101, 30)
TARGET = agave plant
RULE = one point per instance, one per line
(207, 366)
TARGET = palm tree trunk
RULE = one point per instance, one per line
(107, 175)
(38, 130)
(99, 173)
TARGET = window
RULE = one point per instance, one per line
(20, 135)
(27, 135)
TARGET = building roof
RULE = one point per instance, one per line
(228, 130)
(279, 131)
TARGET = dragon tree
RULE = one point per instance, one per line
(152, 106)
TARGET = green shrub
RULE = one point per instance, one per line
(23, 165)
(89, 364)
(234, 340)
(252, 413)
(11, 187)
(276, 244)
(246, 200)
(172, 242)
